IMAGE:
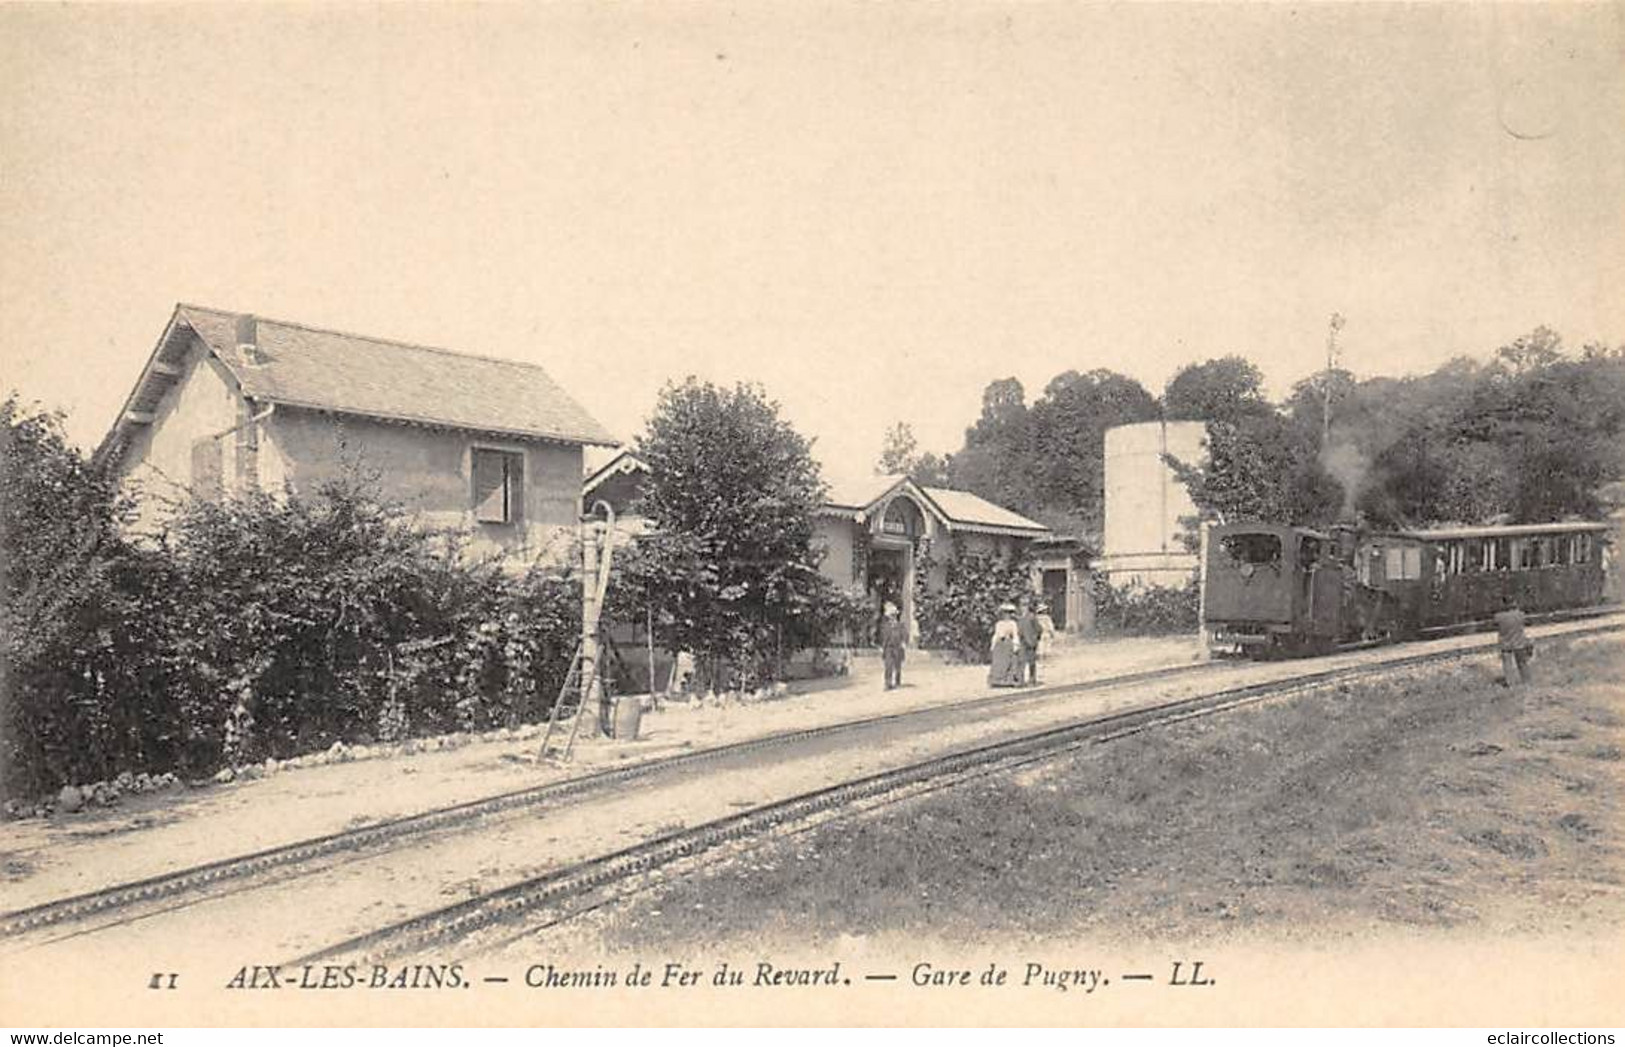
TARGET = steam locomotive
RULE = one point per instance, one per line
(1274, 590)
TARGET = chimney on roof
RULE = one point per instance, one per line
(248, 340)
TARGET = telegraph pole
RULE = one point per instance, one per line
(1334, 326)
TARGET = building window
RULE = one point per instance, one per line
(903, 518)
(498, 485)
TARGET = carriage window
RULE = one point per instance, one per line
(1253, 548)
(1582, 548)
(1501, 556)
(1523, 554)
(1460, 563)
(1404, 563)
(1560, 550)
(1476, 555)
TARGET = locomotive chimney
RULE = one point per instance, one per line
(1347, 535)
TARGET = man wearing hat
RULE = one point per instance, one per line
(893, 637)
(1031, 632)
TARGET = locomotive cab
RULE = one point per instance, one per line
(1271, 588)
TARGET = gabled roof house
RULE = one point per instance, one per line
(233, 402)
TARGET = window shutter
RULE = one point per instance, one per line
(516, 487)
(490, 487)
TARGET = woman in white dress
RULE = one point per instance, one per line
(1005, 670)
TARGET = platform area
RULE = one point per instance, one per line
(150, 834)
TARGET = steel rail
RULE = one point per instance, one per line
(380, 836)
(349, 844)
(563, 889)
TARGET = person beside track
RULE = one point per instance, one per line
(1515, 646)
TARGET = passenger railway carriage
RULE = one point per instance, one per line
(1273, 589)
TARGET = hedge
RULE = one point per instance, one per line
(270, 627)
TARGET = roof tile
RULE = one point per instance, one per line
(328, 370)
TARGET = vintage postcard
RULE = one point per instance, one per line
(830, 514)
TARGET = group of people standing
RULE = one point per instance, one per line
(1019, 643)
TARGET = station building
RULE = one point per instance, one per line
(882, 535)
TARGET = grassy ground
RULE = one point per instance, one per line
(1436, 801)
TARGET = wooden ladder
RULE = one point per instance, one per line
(578, 685)
(570, 706)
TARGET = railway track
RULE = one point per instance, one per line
(372, 839)
(126, 901)
(554, 897)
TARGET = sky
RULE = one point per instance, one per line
(871, 210)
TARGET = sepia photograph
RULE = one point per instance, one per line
(813, 515)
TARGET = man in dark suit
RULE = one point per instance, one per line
(1030, 632)
(893, 638)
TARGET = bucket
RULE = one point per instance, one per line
(627, 717)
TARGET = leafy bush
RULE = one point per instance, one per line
(1146, 610)
(959, 617)
(66, 622)
(254, 627)
(335, 618)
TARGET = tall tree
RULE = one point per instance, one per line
(900, 455)
(731, 496)
(1222, 390)
(1261, 467)
(1527, 438)
(932, 470)
(900, 450)
(1067, 428)
(1004, 415)
(994, 462)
